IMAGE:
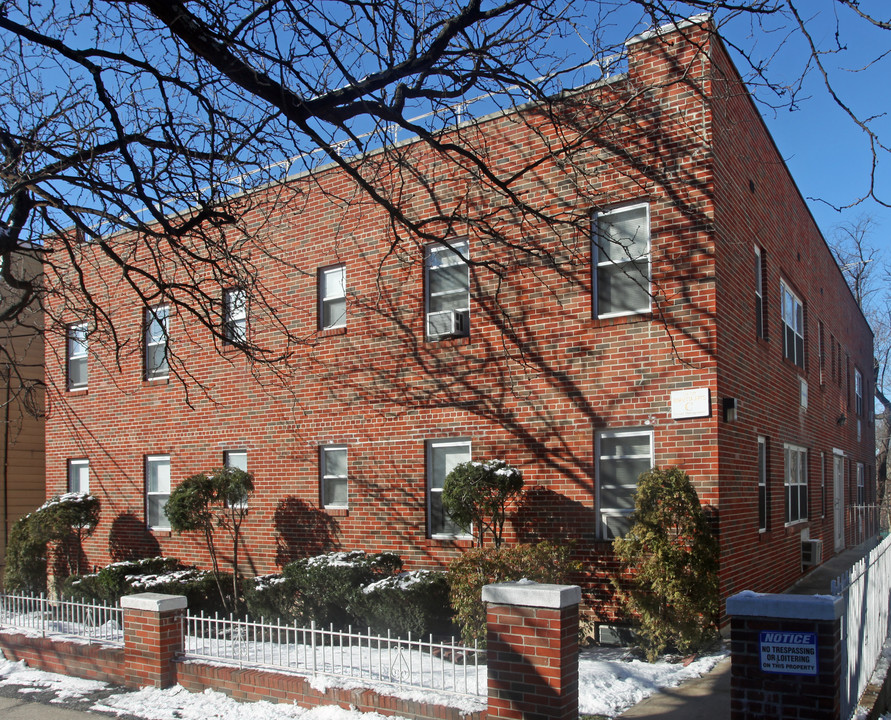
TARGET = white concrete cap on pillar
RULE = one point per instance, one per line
(532, 594)
(154, 602)
(793, 607)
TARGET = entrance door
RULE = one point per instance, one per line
(838, 499)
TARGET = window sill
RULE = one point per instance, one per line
(449, 340)
(337, 511)
(624, 319)
(795, 525)
(459, 540)
(160, 532)
(152, 382)
(327, 332)
(72, 392)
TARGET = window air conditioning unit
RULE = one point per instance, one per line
(448, 323)
(811, 552)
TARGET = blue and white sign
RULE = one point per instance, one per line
(788, 653)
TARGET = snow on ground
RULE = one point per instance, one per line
(609, 683)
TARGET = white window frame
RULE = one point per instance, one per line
(861, 484)
(457, 252)
(79, 475)
(432, 446)
(617, 267)
(326, 477)
(77, 350)
(763, 497)
(331, 293)
(795, 482)
(160, 315)
(759, 294)
(792, 316)
(604, 512)
(234, 315)
(233, 459)
(162, 491)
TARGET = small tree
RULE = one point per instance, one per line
(670, 565)
(205, 503)
(476, 495)
(63, 519)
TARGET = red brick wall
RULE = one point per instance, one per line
(93, 662)
(534, 382)
(757, 202)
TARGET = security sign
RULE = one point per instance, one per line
(788, 653)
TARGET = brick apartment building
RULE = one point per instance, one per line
(714, 332)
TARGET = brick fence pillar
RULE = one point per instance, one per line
(153, 636)
(533, 655)
(786, 656)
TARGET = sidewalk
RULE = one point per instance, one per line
(708, 697)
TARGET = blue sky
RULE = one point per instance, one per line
(829, 156)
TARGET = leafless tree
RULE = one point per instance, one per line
(867, 272)
(134, 135)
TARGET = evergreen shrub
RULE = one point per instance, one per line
(415, 602)
(669, 557)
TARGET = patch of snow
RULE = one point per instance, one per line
(66, 688)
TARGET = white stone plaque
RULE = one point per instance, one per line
(692, 403)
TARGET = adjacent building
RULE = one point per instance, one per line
(657, 293)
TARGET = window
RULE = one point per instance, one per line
(77, 356)
(332, 297)
(622, 248)
(156, 322)
(760, 330)
(157, 490)
(442, 457)
(861, 484)
(858, 393)
(79, 476)
(822, 484)
(234, 315)
(762, 484)
(822, 348)
(796, 483)
(334, 481)
(447, 285)
(622, 455)
(236, 459)
(793, 326)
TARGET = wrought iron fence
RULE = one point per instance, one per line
(94, 622)
(448, 667)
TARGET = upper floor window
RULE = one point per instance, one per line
(442, 457)
(79, 476)
(622, 249)
(332, 297)
(861, 484)
(77, 356)
(858, 393)
(760, 330)
(234, 315)
(793, 326)
(447, 285)
(334, 478)
(156, 337)
(622, 455)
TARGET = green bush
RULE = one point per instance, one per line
(467, 575)
(160, 575)
(65, 520)
(670, 565)
(326, 586)
(415, 602)
(476, 494)
(271, 597)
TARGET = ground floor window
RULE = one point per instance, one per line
(442, 457)
(79, 476)
(763, 504)
(334, 478)
(622, 455)
(157, 490)
(795, 482)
